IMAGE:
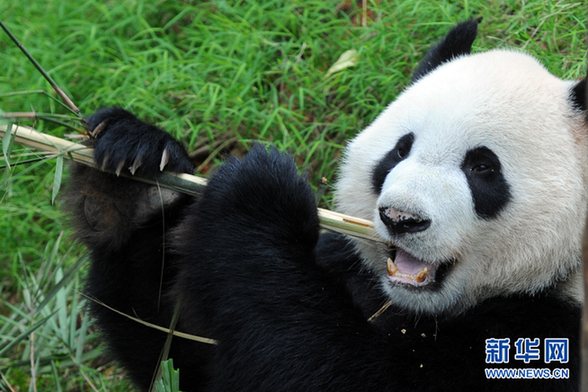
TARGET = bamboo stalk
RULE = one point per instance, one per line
(185, 183)
(58, 90)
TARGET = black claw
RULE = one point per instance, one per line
(164, 159)
(125, 140)
(96, 131)
(104, 163)
(136, 164)
(119, 168)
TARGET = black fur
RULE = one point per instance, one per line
(399, 153)
(288, 305)
(289, 310)
(578, 95)
(490, 191)
(131, 267)
(458, 42)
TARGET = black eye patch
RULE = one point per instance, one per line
(490, 191)
(400, 151)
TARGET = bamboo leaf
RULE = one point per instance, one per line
(25, 334)
(61, 282)
(170, 381)
(57, 178)
(7, 144)
(56, 376)
(348, 59)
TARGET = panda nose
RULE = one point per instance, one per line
(400, 222)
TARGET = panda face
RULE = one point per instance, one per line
(474, 176)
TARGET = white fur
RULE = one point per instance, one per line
(509, 103)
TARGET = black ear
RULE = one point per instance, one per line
(457, 42)
(578, 95)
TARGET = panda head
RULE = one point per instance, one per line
(476, 177)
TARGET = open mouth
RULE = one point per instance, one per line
(407, 269)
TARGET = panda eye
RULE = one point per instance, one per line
(397, 154)
(482, 169)
(481, 163)
(404, 146)
(489, 189)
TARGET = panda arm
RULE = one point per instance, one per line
(248, 267)
(124, 224)
(107, 207)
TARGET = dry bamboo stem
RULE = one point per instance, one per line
(184, 183)
(48, 78)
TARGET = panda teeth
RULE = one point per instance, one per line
(421, 276)
(393, 271)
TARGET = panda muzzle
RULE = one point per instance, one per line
(401, 222)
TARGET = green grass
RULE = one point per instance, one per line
(207, 72)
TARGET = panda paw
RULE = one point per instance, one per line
(263, 193)
(123, 143)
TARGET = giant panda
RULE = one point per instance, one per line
(476, 180)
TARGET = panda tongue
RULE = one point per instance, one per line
(408, 264)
